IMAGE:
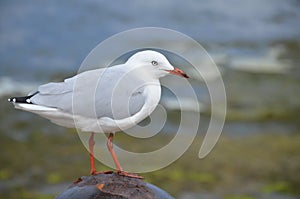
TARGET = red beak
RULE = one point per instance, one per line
(178, 72)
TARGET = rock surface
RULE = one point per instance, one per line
(112, 186)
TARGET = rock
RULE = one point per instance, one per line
(112, 186)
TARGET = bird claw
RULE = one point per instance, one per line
(130, 175)
(121, 173)
(101, 172)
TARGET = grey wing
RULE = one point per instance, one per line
(120, 107)
(55, 95)
(91, 94)
(118, 97)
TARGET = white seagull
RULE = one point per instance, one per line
(104, 100)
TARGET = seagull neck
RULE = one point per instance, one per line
(152, 93)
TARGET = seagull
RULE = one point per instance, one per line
(104, 100)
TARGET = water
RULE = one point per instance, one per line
(41, 41)
(41, 38)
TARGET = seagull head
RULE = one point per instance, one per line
(154, 63)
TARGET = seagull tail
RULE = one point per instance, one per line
(25, 99)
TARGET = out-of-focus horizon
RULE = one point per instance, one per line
(255, 44)
(47, 37)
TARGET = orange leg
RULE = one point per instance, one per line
(112, 152)
(92, 159)
(120, 170)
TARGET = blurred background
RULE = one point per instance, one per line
(256, 45)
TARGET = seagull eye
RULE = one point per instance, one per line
(154, 63)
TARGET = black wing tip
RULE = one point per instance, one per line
(25, 99)
(20, 100)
